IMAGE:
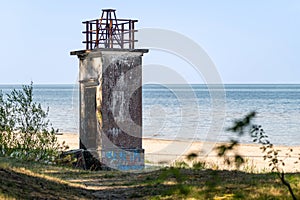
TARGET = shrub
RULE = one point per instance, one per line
(25, 131)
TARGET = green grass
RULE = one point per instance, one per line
(30, 180)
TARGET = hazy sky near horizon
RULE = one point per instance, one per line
(249, 41)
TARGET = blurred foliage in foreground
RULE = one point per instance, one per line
(269, 152)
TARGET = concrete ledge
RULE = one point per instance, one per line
(85, 52)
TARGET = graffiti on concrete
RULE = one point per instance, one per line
(124, 159)
(114, 132)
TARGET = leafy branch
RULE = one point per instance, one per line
(259, 136)
(271, 154)
(239, 127)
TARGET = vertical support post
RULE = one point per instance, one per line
(111, 33)
(130, 47)
(122, 37)
(97, 34)
(91, 35)
(106, 32)
(87, 35)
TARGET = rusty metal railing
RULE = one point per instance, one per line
(109, 32)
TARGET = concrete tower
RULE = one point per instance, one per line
(110, 78)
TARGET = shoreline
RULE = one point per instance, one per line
(191, 139)
(167, 152)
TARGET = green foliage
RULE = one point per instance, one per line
(199, 165)
(180, 165)
(239, 127)
(24, 128)
(195, 164)
(172, 173)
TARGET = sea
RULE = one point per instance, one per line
(192, 112)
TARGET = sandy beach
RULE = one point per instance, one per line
(167, 152)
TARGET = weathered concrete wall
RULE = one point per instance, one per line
(121, 105)
(111, 106)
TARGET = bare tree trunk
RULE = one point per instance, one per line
(287, 184)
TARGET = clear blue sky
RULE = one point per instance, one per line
(250, 41)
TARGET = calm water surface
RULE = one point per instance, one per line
(186, 111)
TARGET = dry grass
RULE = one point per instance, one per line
(23, 180)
